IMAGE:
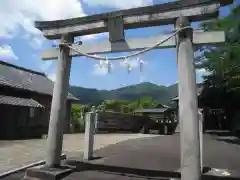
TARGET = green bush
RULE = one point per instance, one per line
(77, 119)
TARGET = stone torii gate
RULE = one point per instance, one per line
(180, 13)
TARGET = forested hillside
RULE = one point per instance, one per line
(162, 94)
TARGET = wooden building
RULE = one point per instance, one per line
(160, 119)
(214, 119)
(25, 102)
(119, 122)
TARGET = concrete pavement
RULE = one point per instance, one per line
(14, 154)
(155, 157)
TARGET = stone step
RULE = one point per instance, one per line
(30, 178)
(44, 173)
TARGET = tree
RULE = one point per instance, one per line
(78, 116)
(147, 102)
(125, 106)
(114, 105)
(222, 62)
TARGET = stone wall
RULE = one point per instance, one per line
(115, 122)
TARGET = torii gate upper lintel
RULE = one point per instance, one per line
(180, 13)
(161, 14)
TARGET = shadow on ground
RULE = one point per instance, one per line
(88, 171)
(226, 136)
(221, 133)
(122, 171)
(231, 141)
(85, 170)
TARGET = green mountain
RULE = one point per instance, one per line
(163, 94)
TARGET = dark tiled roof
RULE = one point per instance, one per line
(16, 101)
(21, 78)
(154, 110)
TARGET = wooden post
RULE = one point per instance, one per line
(201, 137)
(89, 134)
(58, 107)
(165, 125)
(96, 122)
(188, 108)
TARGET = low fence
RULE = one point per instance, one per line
(114, 122)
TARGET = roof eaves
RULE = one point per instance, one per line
(22, 68)
(19, 87)
(151, 110)
(72, 97)
(17, 101)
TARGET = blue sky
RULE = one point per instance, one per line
(21, 43)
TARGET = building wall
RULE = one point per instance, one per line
(42, 120)
(16, 123)
(7, 126)
(47, 101)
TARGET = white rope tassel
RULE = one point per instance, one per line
(128, 65)
(126, 61)
(109, 66)
(141, 63)
(101, 64)
(129, 68)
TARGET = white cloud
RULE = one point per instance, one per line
(7, 54)
(52, 76)
(94, 36)
(201, 71)
(101, 69)
(119, 4)
(91, 37)
(45, 65)
(143, 78)
(36, 42)
(15, 15)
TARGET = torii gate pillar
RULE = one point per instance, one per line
(188, 108)
(58, 107)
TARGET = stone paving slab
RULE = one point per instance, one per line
(14, 154)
